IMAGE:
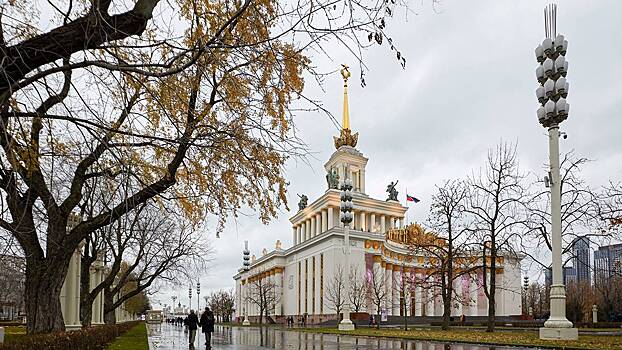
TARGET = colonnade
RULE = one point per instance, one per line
(425, 292)
(275, 278)
(70, 292)
(328, 218)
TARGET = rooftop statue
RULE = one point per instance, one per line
(303, 202)
(392, 191)
(332, 178)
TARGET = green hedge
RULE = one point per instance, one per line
(93, 338)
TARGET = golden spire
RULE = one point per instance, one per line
(346, 138)
(345, 73)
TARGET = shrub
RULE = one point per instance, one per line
(93, 338)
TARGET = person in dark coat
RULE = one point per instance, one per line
(207, 326)
(193, 323)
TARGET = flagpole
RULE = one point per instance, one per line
(407, 206)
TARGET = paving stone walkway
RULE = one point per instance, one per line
(170, 337)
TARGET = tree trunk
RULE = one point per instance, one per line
(109, 314)
(86, 310)
(491, 296)
(44, 281)
(43, 303)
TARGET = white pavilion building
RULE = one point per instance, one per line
(378, 242)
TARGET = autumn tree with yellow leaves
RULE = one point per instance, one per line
(186, 101)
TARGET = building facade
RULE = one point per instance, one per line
(607, 262)
(581, 259)
(300, 275)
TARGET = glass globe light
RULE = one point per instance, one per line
(549, 108)
(559, 42)
(564, 47)
(539, 53)
(549, 67)
(560, 85)
(547, 45)
(540, 94)
(541, 114)
(549, 87)
(560, 105)
(540, 72)
(560, 63)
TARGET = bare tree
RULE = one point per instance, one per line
(497, 215)
(263, 294)
(195, 110)
(377, 290)
(448, 245)
(335, 291)
(579, 210)
(358, 290)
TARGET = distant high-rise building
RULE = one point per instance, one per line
(607, 262)
(569, 274)
(580, 247)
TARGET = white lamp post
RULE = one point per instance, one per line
(346, 217)
(246, 265)
(198, 298)
(551, 94)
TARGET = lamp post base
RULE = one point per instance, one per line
(346, 325)
(558, 333)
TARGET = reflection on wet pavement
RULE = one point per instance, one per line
(170, 337)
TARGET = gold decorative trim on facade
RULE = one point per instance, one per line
(346, 137)
(413, 234)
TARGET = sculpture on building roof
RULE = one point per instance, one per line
(303, 202)
(392, 191)
(332, 179)
(278, 244)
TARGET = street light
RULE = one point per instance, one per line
(198, 298)
(346, 217)
(552, 93)
(246, 266)
(206, 298)
(190, 297)
(525, 289)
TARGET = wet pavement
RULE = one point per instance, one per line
(170, 337)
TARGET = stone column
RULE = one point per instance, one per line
(377, 268)
(383, 222)
(363, 222)
(294, 238)
(313, 225)
(372, 222)
(389, 287)
(473, 294)
(418, 295)
(307, 229)
(318, 223)
(303, 232)
(278, 281)
(401, 222)
(300, 234)
(457, 311)
(331, 218)
(396, 290)
(324, 226)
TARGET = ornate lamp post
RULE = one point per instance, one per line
(246, 267)
(190, 297)
(551, 94)
(198, 298)
(346, 217)
(525, 289)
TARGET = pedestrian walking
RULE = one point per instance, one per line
(192, 322)
(207, 326)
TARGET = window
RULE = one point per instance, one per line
(313, 286)
(322, 284)
(306, 286)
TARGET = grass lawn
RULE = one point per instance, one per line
(12, 333)
(134, 339)
(470, 336)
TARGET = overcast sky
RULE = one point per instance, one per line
(469, 82)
